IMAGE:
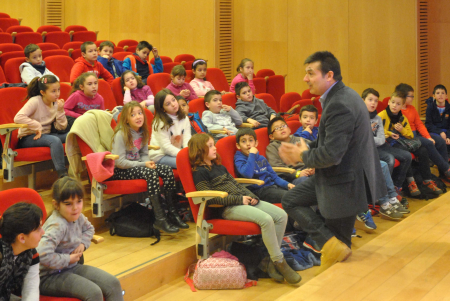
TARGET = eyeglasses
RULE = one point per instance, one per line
(412, 96)
(279, 128)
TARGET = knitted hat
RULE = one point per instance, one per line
(101, 169)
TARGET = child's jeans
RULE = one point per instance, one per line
(168, 160)
(436, 151)
(389, 184)
(388, 154)
(54, 141)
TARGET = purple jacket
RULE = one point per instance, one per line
(177, 89)
(144, 93)
(77, 104)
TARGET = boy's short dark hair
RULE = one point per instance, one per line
(403, 89)
(368, 91)
(245, 131)
(144, 44)
(210, 94)
(309, 108)
(85, 45)
(239, 86)
(439, 87)
(328, 62)
(106, 44)
(271, 122)
(29, 49)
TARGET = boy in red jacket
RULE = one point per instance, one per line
(88, 63)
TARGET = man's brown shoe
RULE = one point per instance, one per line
(333, 251)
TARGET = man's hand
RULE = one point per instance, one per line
(290, 153)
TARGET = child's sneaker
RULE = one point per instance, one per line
(413, 189)
(399, 207)
(391, 213)
(311, 245)
(432, 185)
(404, 203)
(367, 219)
(354, 232)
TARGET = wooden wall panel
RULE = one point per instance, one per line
(77, 12)
(28, 10)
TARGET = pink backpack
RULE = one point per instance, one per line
(219, 272)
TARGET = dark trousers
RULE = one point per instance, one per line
(271, 194)
(297, 203)
(436, 151)
(388, 154)
(423, 160)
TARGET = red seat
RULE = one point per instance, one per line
(382, 106)
(197, 105)
(275, 86)
(2, 76)
(130, 48)
(302, 103)
(76, 53)
(265, 72)
(117, 91)
(217, 78)
(57, 37)
(4, 15)
(158, 81)
(5, 38)
(386, 101)
(169, 66)
(287, 100)
(25, 38)
(268, 100)
(189, 76)
(101, 41)
(65, 90)
(48, 46)
(318, 105)
(184, 58)
(118, 49)
(61, 66)
(188, 65)
(5, 23)
(48, 28)
(164, 59)
(19, 28)
(121, 55)
(294, 125)
(260, 85)
(124, 43)
(12, 72)
(72, 45)
(8, 47)
(308, 95)
(47, 53)
(104, 89)
(84, 36)
(75, 28)
(229, 99)
(9, 55)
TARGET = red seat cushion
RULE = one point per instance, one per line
(125, 186)
(227, 227)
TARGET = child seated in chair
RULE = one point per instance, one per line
(138, 63)
(220, 116)
(197, 125)
(279, 132)
(308, 117)
(34, 65)
(250, 164)
(252, 109)
(106, 58)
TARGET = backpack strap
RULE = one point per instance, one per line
(189, 280)
(132, 61)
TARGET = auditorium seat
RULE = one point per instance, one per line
(61, 66)
(19, 28)
(269, 100)
(72, 45)
(124, 43)
(164, 59)
(48, 28)
(260, 85)
(9, 55)
(184, 58)
(25, 38)
(75, 28)
(265, 72)
(84, 36)
(121, 55)
(48, 46)
(275, 86)
(101, 41)
(117, 91)
(59, 38)
(104, 89)
(12, 70)
(47, 53)
(217, 78)
(158, 81)
(5, 38)
(287, 100)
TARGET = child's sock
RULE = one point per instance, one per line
(386, 205)
(393, 201)
(410, 179)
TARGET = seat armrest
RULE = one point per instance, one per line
(125, 47)
(249, 181)
(154, 147)
(291, 110)
(204, 195)
(70, 51)
(96, 239)
(217, 131)
(283, 169)
(9, 127)
(107, 157)
(246, 125)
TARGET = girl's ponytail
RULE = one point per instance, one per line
(242, 64)
(39, 84)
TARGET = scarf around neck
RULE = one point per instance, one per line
(394, 118)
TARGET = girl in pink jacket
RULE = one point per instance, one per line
(134, 89)
(245, 74)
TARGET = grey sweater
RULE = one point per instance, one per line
(224, 119)
(256, 109)
(274, 158)
(128, 158)
(378, 130)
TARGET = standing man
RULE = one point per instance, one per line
(348, 171)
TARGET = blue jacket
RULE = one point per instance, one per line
(435, 122)
(157, 67)
(306, 135)
(197, 124)
(108, 65)
(256, 166)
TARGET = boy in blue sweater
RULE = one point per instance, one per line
(308, 117)
(106, 50)
(250, 164)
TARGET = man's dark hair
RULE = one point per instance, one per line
(271, 122)
(245, 131)
(328, 62)
(309, 108)
(439, 87)
(144, 44)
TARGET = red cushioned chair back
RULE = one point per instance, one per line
(59, 38)
(116, 87)
(265, 72)
(260, 85)
(11, 102)
(10, 197)
(229, 99)
(48, 28)
(382, 106)
(184, 57)
(47, 53)
(275, 86)
(19, 28)
(268, 100)
(318, 105)
(84, 36)
(2, 76)
(121, 55)
(104, 89)
(25, 38)
(65, 90)
(217, 78)
(124, 43)
(308, 95)
(302, 103)
(164, 59)
(5, 23)
(197, 105)
(294, 125)
(48, 46)
(189, 76)
(386, 101)
(263, 140)
(76, 54)
(12, 72)
(75, 28)
(226, 148)
(9, 47)
(169, 66)
(5, 38)
(72, 45)
(287, 100)
(98, 42)
(132, 48)
(9, 55)
(188, 65)
(61, 66)
(158, 81)
(4, 15)
(118, 49)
